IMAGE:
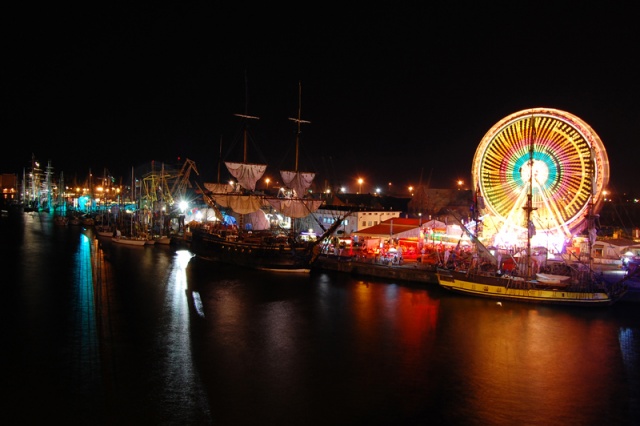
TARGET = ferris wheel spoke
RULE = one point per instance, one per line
(570, 168)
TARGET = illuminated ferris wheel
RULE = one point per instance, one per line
(569, 171)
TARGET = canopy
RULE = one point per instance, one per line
(436, 225)
(396, 227)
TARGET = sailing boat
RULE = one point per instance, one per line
(131, 239)
(483, 277)
(295, 204)
(258, 247)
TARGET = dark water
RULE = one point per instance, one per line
(94, 333)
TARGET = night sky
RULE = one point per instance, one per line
(393, 94)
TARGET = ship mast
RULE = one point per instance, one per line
(219, 158)
(591, 218)
(298, 121)
(529, 207)
(245, 130)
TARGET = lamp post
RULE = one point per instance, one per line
(360, 185)
(420, 216)
(267, 180)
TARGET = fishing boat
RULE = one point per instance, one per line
(162, 239)
(133, 236)
(129, 241)
(483, 276)
(253, 241)
(104, 230)
(132, 239)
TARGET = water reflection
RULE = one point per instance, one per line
(630, 349)
(84, 331)
(108, 334)
(560, 361)
(146, 335)
(292, 351)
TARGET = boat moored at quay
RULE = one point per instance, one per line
(529, 185)
(539, 191)
(254, 250)
(260, 245)
(513, 288)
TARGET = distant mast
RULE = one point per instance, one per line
(245, 133)
(245, 130)
(298, 121)
(219, 159)
(295, 180)
(247, 174)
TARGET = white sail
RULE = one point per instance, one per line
(239, 203)
(218, 188)
(295, 207)
(247, 174)
(258, 220)
(299, 182)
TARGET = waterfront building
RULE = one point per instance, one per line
(9, 188)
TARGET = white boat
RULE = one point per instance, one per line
(129, 241)
(163, 239)
(104, 231)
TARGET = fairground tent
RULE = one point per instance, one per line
(396, 228)
(435, 225)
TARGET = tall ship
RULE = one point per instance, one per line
(254, 240)
(543, 171)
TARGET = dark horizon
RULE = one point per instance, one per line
(391, 96)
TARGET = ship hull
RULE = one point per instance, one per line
(520, 290)
(266, 256)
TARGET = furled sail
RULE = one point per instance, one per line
(299, 182)
(295, 207)
(218, 188)
(258, 220)
(247, 174)
(239, 203)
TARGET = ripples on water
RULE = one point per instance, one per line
(102, 334)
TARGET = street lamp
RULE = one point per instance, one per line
(420, 216)
(267, 180)
(360, 185)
